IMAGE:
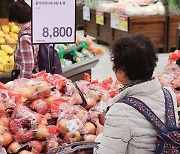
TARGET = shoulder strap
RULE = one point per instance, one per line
(169, 107)
(145, 111)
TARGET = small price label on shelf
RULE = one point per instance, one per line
(119, 22)
(53, 21)
(99, 17)
(123, 23)
(86, 13)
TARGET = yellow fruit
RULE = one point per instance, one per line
(6, 59)
(8, 67)
(3, 47)
(11, 59)
(1, 67)
(11, 24)
(7, 37)
(14, 35)
(8, 50)
(5, 29)
(1, 60)
(2, 40)
(2, 54)
(2, 34)
(15, 29)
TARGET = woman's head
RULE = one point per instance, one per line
(134, 55)
(20, 12)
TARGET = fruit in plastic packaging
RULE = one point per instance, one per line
(42, 132)
(89, 137)
(89, 128)
(72, 136)
(7, 138)
(14, 147)
(39, 105)
(36, 146)
(62, 125)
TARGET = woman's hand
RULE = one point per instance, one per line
(99, 129)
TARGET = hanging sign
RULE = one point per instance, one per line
(123, 23)
(53, 21)
(86, 13)
(99, 17)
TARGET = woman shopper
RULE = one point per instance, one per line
(25, 56)
(126, 130)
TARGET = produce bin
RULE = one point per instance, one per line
(74, 72)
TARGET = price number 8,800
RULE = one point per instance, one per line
(62, 32)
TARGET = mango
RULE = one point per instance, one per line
(15, 29)
(2, 40)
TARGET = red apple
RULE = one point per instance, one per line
(72, 136)
(62, 125)
(8, 138)
(4, 121)
(89, 128)
(52, 143)
(36, 146)
(13, 147)
(89, 137)
(42, 132)
(40, 106)
(23, 135)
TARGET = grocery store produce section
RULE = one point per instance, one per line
(48, 111)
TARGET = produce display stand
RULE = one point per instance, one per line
(161, 29)
(173, 23)
(74, 72)
(152, 26)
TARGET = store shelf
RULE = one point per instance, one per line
(74, 72)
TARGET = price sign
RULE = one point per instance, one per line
(99, 17)
(115, 20)
(86, 13)
(53, 21)
(123, 23)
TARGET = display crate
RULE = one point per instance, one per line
(173, 23)
(90, 27)
(154, 27)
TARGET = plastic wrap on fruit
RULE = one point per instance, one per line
(2, 150)
(5, 136)
(31, 89)
(55, 80)
(71, 118)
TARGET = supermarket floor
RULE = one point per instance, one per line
(104, 68)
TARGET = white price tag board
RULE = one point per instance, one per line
(53, 21)
(115, 20)
(86, 13)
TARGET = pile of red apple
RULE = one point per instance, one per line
(47, 111)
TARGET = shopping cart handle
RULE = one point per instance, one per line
(83, 145)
